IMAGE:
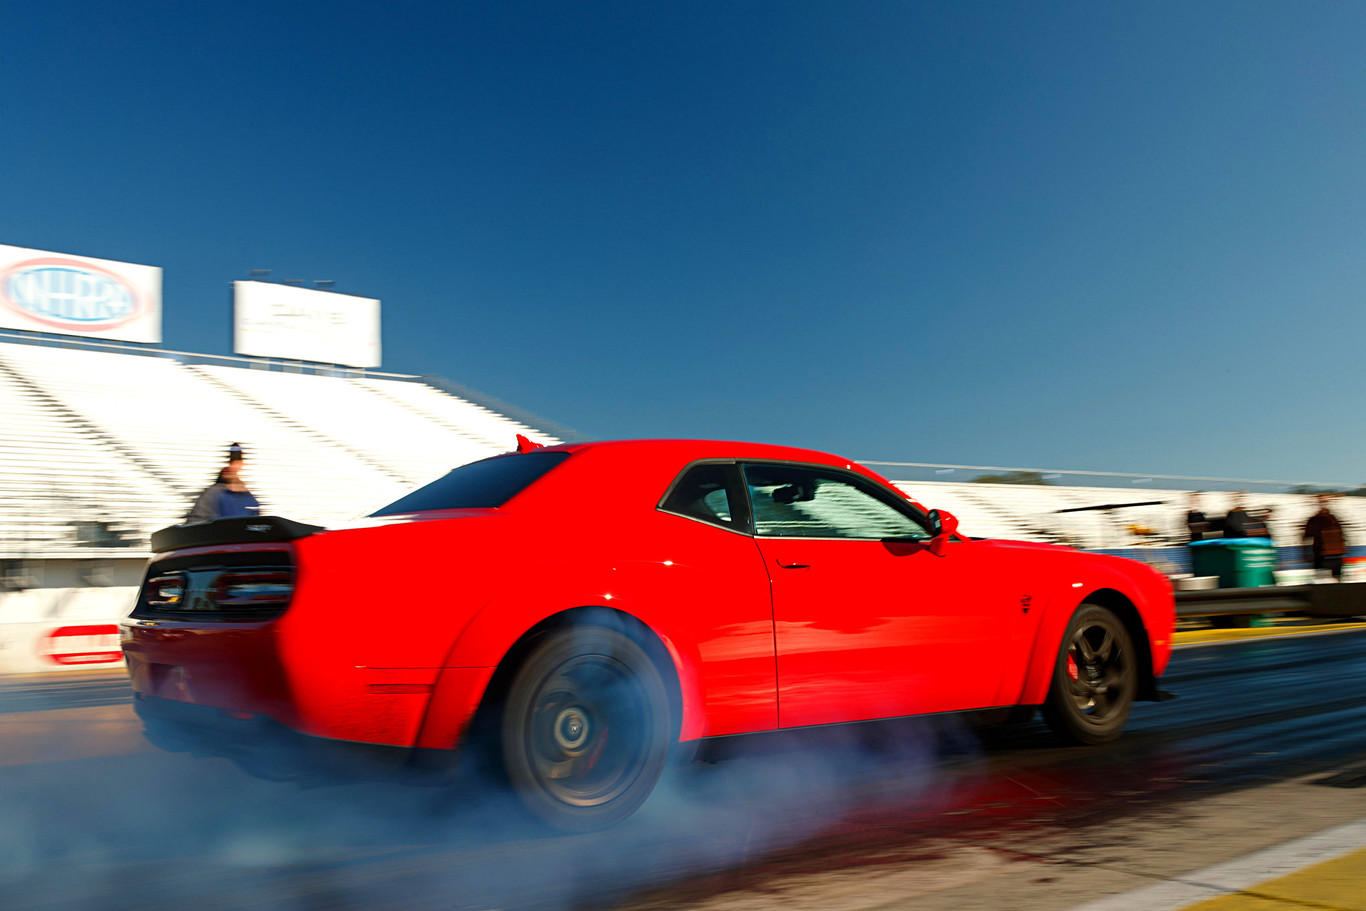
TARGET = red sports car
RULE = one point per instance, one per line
(582, 608)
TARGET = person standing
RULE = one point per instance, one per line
(228, 496)
(1259, 523)
(1327, 544)
(1197, 523)
(1236, 522)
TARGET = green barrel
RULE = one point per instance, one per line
(1238, 562)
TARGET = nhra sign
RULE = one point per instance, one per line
(300, 324)
(78, 295)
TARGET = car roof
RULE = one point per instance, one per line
(642, 457)
(643, 468)
(691, 450)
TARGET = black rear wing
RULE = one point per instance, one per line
(240, 530)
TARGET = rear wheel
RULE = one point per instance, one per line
(1095, 678)
(585, 728)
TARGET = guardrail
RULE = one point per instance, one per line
(1071, 477)
(1337, 599)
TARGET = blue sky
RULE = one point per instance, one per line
(1109, 236)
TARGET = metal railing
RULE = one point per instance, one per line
(1071, 477)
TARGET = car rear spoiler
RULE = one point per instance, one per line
(239, 530)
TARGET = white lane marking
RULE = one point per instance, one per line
(1236, 875)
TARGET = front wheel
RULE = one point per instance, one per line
(1095, 678)
(585, 728)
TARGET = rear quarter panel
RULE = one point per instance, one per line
(437, 604)
(701, 590)
(374, 614)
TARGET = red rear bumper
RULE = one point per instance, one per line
(241, 668)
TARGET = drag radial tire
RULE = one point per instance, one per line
(585, 728)
(1095, 678)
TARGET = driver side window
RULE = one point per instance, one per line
(801, 502)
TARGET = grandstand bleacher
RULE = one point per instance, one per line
(102, 445)
(100, 448)
(1035, 513)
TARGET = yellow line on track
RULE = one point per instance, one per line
(1325, 871)
(1196, 636)
(1334, 885)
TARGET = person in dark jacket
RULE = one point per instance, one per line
(1258, 523)
(1327, 544)
(228, 496)
(1197, 523)
(1236, 522)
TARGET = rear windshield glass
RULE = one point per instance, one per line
(491, 482)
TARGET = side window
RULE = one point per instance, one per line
(705, 492)
(795, 501)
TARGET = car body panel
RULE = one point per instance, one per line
(716, 617)
(397, 624)
(868, 629)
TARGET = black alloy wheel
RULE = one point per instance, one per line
(585, 728)
(1095, 678)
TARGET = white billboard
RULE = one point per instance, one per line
(79, 295)
(300, 324)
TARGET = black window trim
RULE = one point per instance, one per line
(738, 494)
(892, 498)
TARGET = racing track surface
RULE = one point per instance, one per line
(1266, 743)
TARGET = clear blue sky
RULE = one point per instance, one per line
(1116, 236)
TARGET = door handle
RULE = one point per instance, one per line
(793, 565)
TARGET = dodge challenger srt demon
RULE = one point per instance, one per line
(574, 612)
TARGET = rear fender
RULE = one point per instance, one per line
(498, 628)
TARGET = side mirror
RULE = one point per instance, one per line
(943, 525)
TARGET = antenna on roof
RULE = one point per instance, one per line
(259, 274)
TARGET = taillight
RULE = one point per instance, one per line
(166, 591)
(235, 584)
(253, 589)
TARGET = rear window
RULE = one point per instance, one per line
(488, 483)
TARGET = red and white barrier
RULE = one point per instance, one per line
(95, 643)
(62, 629)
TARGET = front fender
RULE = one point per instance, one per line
(1100, 577)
